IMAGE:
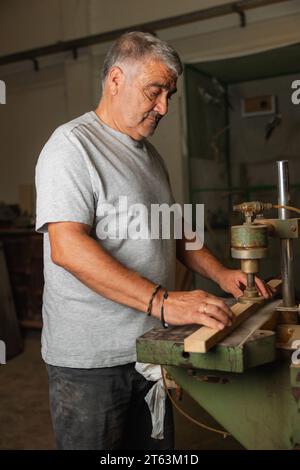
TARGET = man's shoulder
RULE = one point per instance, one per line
(79, 123)
(63, 144)
(68, 135)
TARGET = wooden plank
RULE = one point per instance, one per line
(257, 321)
(205, 338)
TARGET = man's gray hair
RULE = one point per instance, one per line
(136, 45)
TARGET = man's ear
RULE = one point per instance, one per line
(115, 79)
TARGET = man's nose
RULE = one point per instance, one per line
(162, 106)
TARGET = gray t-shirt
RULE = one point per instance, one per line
(84, 165)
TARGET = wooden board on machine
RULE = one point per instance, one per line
(205, 338)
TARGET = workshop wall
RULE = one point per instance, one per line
(253, 156)
(63, 88)
(254, 147)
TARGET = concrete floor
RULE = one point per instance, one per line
(25, 421)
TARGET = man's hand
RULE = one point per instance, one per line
(232, 280)
(193, 307)
(204, 263)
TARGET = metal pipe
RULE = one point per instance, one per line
(286, 245)
(283, 188)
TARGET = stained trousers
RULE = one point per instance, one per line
(104, 409)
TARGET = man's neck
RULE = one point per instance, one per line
(105, 116)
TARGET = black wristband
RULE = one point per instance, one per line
(162, 316)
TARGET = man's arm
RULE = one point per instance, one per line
(203, 262)
(73, 249)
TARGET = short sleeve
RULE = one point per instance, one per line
(63, 184)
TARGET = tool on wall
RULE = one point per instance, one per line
(272, 125)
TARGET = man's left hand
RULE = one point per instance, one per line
(232, 280)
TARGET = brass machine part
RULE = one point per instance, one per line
(249, 243)
(249, 209)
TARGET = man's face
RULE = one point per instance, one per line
(142, 97)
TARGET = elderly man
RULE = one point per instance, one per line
(102, 292)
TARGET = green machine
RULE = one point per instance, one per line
(250, 380)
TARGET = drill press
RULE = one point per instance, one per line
(249, 243)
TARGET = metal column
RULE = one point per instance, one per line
(286, 245)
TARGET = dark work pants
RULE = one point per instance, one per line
(104, 409)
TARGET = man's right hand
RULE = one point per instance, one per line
(193, 307)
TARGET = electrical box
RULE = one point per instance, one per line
(258, 105)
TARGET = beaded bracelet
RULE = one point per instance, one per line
(162, 316)
(155, 290)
